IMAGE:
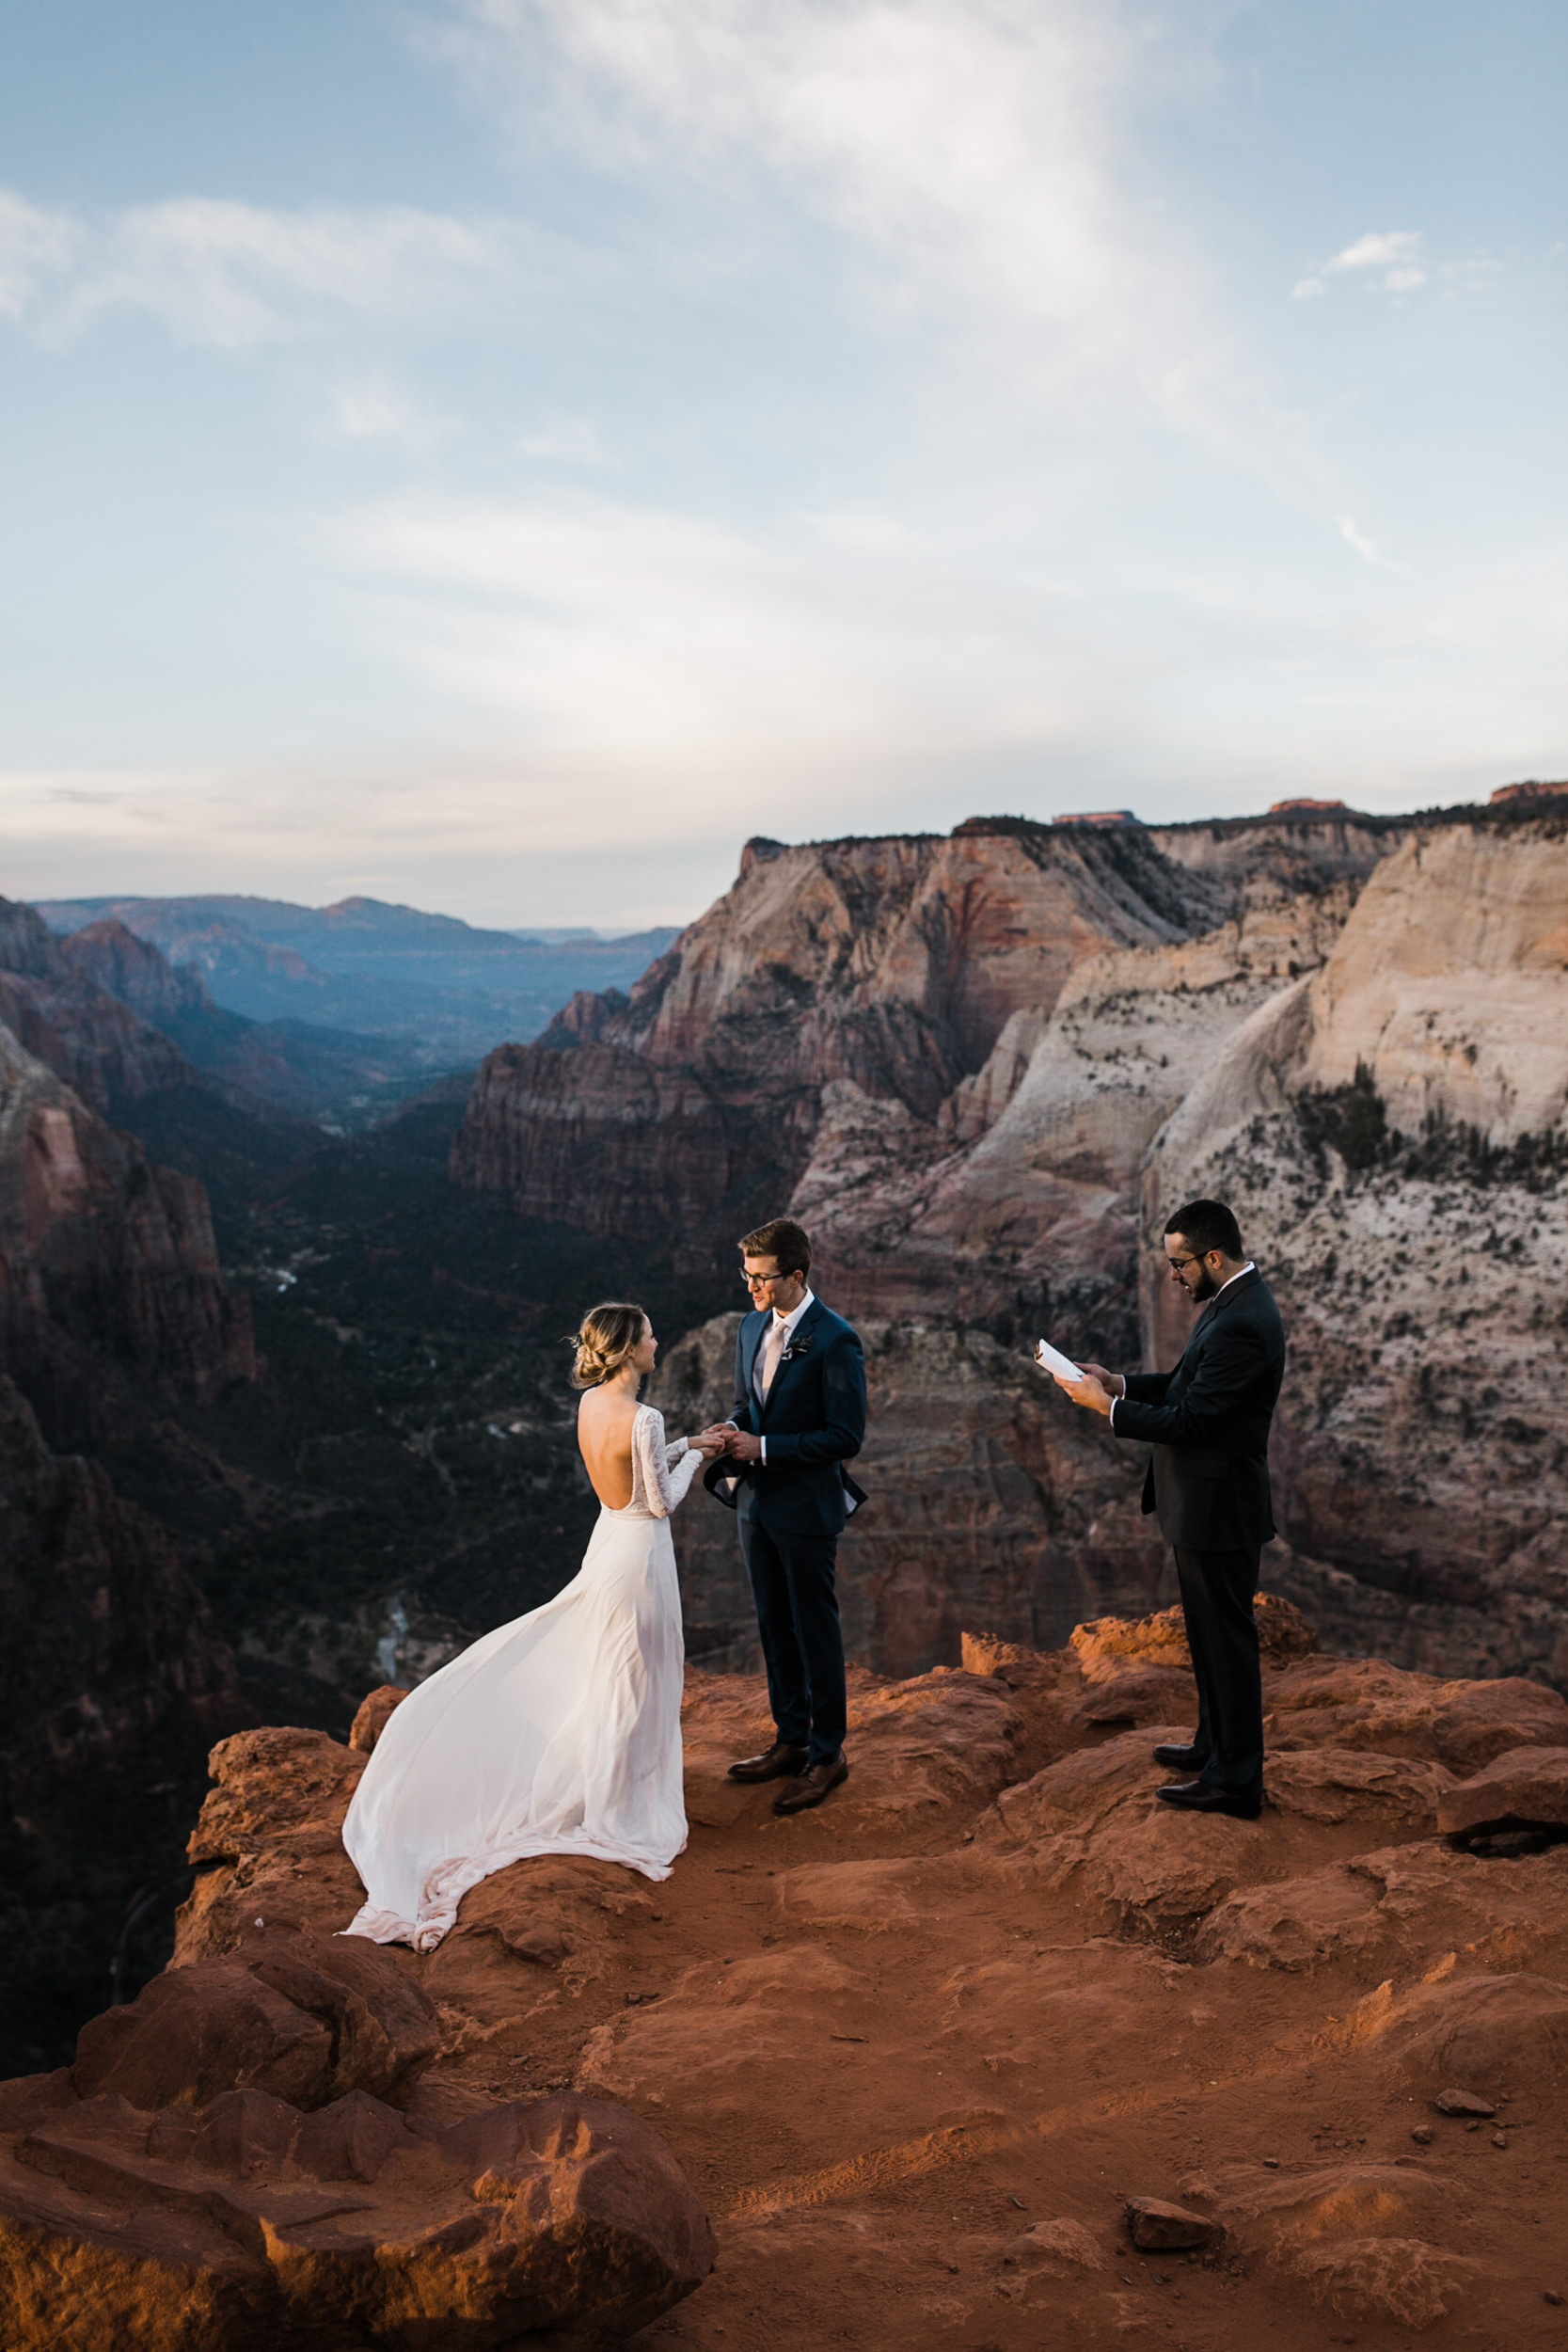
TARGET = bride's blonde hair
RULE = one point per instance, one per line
(604, 1340)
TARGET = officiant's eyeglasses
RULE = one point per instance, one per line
(1176, 1262)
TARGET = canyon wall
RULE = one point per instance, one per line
(958, 1061)
(110, 1288)
(57, 999)
(691, 1106)
(983, 1071)
(102, 1636)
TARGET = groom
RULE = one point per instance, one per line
(800, 1415)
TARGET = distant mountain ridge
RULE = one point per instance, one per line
(364, 964)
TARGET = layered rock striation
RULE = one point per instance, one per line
(1353, 1029)
(890, 967)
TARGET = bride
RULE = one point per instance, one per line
(559, 1733)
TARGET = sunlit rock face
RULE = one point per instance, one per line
(890, 967)
(984, 1070)
(1391, 1132)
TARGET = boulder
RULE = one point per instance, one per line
(1456, 2101)
(258, 2225)
(1160, 2228)
(304, 2018)
(1525, 1789)
(268, 1843)
(370, 1719)
(1363, 1702)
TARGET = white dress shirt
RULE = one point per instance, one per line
(1248, 1268)
(788, 1323)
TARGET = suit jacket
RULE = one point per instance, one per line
(813, 1420)
(1208, 1422)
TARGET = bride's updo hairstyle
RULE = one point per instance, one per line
(603, 1338)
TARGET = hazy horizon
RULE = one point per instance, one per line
(495, 456)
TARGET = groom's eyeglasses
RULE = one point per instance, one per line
(762, 1281)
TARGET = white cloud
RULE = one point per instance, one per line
(1367, 549)
(34, 246)
(976, 151)
(238, 275)
(648, 644)
(1391, 257)
(371, 410)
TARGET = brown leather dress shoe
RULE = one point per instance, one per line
(813, 1784)
(782, 1761)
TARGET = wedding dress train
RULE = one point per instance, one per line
(559, 1733)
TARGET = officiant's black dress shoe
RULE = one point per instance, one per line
(1181, 1759)
(782, 1761)
(816, 1782)
(1201, 1796)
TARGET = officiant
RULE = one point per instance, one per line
(1208, 1424)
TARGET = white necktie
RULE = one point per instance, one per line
(773, 1350)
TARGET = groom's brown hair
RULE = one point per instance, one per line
(782, 1240)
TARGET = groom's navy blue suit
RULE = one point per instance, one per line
(792, 1509)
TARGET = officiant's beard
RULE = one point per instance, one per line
(1205, 1287)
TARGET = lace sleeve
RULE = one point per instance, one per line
(667, 1469)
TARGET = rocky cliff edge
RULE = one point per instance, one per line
(991, 2049)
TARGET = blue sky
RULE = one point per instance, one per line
(499, 453)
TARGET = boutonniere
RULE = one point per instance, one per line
(795, 1347)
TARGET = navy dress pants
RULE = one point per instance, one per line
(1218, 1589)
(803, 1642)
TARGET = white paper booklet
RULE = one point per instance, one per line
(1052, 1360)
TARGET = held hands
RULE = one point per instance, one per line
(726, 1438)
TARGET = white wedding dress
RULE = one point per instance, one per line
(559, 1733)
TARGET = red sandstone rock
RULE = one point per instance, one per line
(370, 1719)
(1344, 1784)
(1364, 1703)
(1490, 2032)
(304, 2018)
(882, 2042)
(258, 2225)
(1524, 1788)
(1162, 2228)
(1453, 2102)
(1109, 1646)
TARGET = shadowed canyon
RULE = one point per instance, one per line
(283, 1417)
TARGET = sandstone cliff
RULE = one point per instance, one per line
(102, 1636)
(109, 1280)
(58, 1000)
(1284, 1001)
(991, 2051)
(889, 966)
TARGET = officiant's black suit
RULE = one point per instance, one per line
(1208, 1479)
(792, 1510)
